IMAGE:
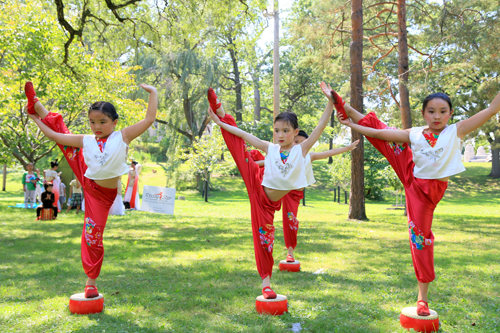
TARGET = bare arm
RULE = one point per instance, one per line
(466, 126)
(391, 135)
(133, 131)
(260, 163)
(323, 121)
(251, 139)
(70, 140)
(333, 152)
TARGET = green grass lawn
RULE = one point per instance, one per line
(195, 271)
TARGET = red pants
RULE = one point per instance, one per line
(98, 200)
(422, 197)
(290, 208)
(261, 208)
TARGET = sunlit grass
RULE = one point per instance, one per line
(195, 271)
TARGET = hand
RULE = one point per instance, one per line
(149, 89)
(33, 116)
(346, 122)
(327, 90)
(213, 116)
(353, 145)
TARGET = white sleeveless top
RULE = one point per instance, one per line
(290, 175)
(111, 163)
(444, 160)
(51, 173)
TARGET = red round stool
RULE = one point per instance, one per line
(410, 319)
(78, 304)
(274, 307)
(293, 266)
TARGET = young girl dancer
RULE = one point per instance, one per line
(98, 166)
(291, 201)
(284, 171)
(424, 170)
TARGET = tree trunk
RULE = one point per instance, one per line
(495, 159)
(404, 95)
(256, 98)
(276, 62)
(237, 82)
(357, 195)
(4, 177)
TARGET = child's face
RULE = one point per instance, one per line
(299, 139)
(49, 189)
(437, 113)
(101, 125)
(284, 133)
(30, 167)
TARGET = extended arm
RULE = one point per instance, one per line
(323, 121)
(333, 152)
(133, 131)
(391, 135)
(260, 163)
(466, 126)
(251, 139)
(70, 140)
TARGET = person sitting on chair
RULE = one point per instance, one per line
(48, 199)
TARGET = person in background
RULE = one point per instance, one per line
(75, 195)
(62, 194)
(29, 186)
(48, 198)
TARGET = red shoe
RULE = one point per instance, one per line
(423, 308)
(339, 104)
(32, 99)
(268, 293)
(212, 99)
(289, 258)
(91, 292)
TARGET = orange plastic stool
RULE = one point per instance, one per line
(274, 307)
(78, 304)
(293, 266)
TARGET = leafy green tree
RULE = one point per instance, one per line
(32, 52)
(203, 156)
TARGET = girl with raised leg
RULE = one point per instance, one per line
(98, 166)
(424, 170)
(291, 201)
(284, 172)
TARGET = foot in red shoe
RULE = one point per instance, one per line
(339, 104)
(289, 258)
(268, 293)
(31, 95)
(212, 99)
(423, 308)
(91, 292)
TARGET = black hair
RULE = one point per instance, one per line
(106, 108)
(289, 117)
(303, 133)
(47, 185)
(53, 164)
(442, 96)
(135, 163)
